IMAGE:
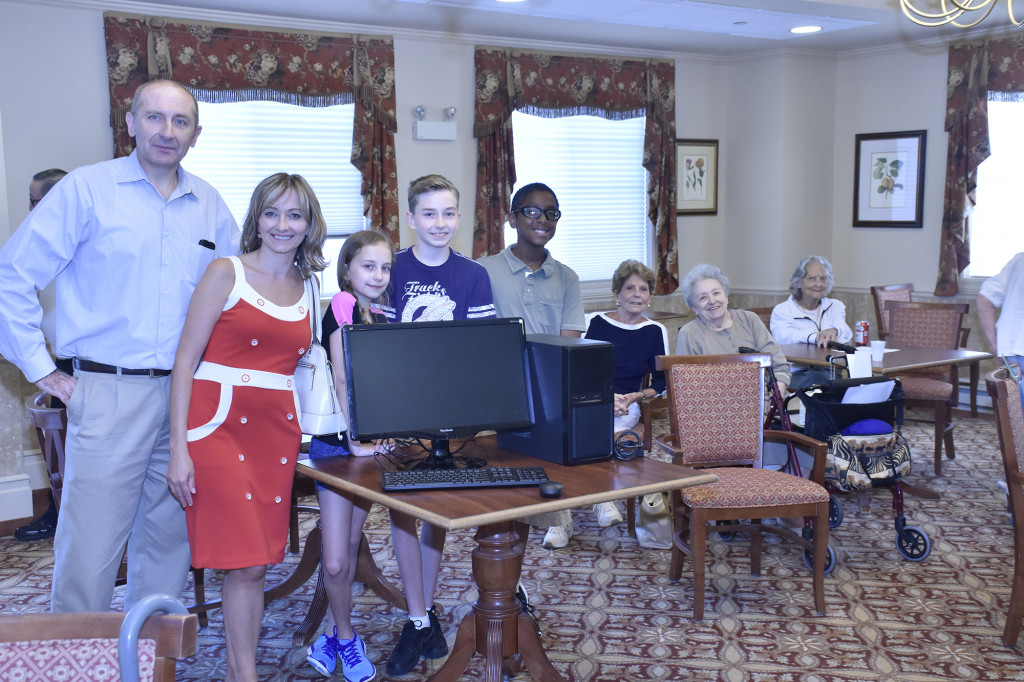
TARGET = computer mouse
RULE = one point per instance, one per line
(550, 489)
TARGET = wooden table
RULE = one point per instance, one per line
(496, 628)
(898, 359)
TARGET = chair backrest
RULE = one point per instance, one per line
(765, 314)
(51, 427)
(716, 406)
(888, 292)
(33, 646)
(1006, 403)
(935, 325)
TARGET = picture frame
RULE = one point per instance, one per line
(696, 177)
(888, 179)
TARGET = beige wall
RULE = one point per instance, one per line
(785, 120)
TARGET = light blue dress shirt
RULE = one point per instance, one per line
(125, 261)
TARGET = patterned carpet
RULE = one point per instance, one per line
(609, 612)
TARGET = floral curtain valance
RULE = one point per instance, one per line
(220, 63)
(550, 85)
(976, 70)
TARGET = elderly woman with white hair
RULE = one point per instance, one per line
(719, 330)
(807, 316)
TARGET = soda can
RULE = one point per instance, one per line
(860, 333)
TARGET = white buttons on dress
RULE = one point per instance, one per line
(259, 301)
(241, 457)
(291, 416)
(245, 378)
(284, 460)
(255, 342)
(289, 383)
(248, 496)
(302, 351)
(243, 420)
(277, 500)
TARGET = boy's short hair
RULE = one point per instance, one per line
(520, 197)
(48, 178)
(427, 184)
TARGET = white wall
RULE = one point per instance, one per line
(786, 125)
(52, 94)
(890, 91)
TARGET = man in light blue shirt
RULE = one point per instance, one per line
(126, 240)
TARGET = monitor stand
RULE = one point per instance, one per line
(441, 457)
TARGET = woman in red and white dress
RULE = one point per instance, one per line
(235, 432)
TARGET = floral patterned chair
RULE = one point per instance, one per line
(85, 647)
(715, 410)
(1006, 404)
(932, 325)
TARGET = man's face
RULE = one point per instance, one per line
(536, 231)
(435, 219)
(35, 193)
(165, 127)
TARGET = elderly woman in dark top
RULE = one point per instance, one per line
(718, 329)
(637, 340)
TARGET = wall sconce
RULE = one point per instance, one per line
(433, 130)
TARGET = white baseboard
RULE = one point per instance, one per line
(15, 497)
(35, 468)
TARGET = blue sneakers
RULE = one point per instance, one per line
(323, 655)
(356, 666)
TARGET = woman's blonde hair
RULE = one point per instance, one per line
(309, 257)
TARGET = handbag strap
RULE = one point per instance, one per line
(313, 291)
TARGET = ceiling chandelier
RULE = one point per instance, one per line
(952, 10)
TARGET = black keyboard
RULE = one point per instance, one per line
(484, 477)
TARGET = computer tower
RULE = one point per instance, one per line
(571, 384)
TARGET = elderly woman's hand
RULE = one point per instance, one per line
(825, 335)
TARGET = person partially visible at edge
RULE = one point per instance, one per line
(45, 526)
(126, 240)
(1005, 290)
(720, 330)
(528, 283)
(807, 316)
(429, 281)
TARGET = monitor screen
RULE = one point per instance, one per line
(436, 380)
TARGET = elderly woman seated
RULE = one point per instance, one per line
(718, 329)
(807, 316)
(637, 340)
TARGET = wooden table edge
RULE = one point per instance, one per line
(394, 501)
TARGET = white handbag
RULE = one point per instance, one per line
(319, 409)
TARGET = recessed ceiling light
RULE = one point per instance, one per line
(805, 29)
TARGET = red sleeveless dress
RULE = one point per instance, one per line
(243, 430)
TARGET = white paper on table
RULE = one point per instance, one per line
(867, 394)
(859, 363)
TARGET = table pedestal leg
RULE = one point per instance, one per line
(496, 628)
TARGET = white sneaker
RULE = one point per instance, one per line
(557, 537)
(607, 514)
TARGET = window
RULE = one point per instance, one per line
(595, 167)
(996, 233)
(244, 142)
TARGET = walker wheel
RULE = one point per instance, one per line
(835, 512)
(830, 559)
(913, 544)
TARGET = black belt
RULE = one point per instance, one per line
(99, 367)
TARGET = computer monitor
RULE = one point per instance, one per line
(437, 380)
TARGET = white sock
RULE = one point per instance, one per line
(421, 622)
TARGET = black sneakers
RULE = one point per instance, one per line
(415, 644)
(42, 528)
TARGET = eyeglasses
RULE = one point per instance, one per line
(534, 212)
(32, 201)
